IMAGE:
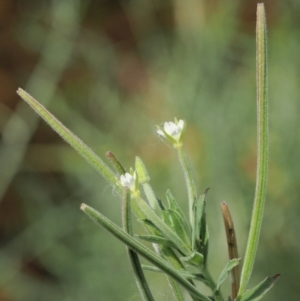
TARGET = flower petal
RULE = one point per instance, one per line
(128, 180)
(180, 124)
(172, 130)
(161, 133)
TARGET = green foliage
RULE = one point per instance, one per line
(191, 241)
(208, 77)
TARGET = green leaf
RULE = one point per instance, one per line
(173, 205)
(136, 246)
(205, 242)
(152, 228)
(174, 220)
(151, 197)
(164, 228)
(183, 273)
(195, 259)
(157, 240)
(73, 140)
(151, 268)
(204, 235)
(170, 256)
(258, 291)
(262, 149)
(224, 274)
(141, 170)
(198, 211)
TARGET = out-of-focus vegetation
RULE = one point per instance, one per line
(110, 71)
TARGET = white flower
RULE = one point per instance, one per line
(173, 130)
(128, 180)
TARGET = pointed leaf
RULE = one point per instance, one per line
(164, 228)
(136, 246)
(166, 218)
(151, 268)
(157, 240)
(224, 274)
(141, 170)
(204, 236)
(171, 256)
(174, 206)
(262, 149)
(205, 243)
(178, 226)
(198, 211)
(153, 228)
(73, 140)
(258, 291)
(195, 259)
(183, 273)
(151, 197)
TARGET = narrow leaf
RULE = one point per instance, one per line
(151, 197)
(262, 149)
(141, 170)
(151, 268)
(183, 273)
(100, 219)
(157, 240)
(171, 257)
(224, 274)
(203, 235)
(73, 140)
(152, 228)
(165, 229)
(259, 291)
(173, 205)
(195, 259)
(178, 226)
(198, 211)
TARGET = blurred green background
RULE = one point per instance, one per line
(110, 71)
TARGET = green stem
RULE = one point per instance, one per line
(133, 256)
(212, 285)
(262, 149)
(190, 181)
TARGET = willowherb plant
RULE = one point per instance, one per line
(179, 242)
